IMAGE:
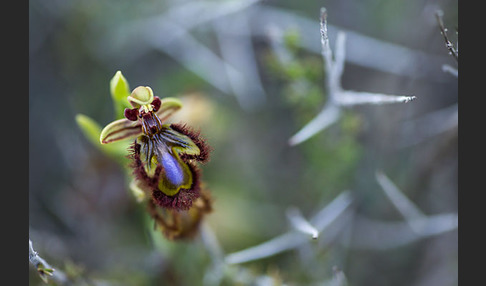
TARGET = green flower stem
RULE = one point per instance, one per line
(92, 130)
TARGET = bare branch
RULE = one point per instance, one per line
(451, 70)
(45, 270)
(185, 52)
(338, 278)
(325, 48)
(211, 242)
(407, 208)
(325, 118)
(339, 60)
(382, 235)
(338, 98)
(42, 267)
(292, 239)
(443, 31)
(300, 223)
(350, 98)
(427, 126)
(274, 246)
(238, 51)
(379, 235)
(214, 275)
(378, 55)
(173, 37)
(332, 211)
(275, 36)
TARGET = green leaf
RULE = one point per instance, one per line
(120, 90)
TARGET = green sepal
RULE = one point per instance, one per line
(119, 130)
(168, 106)
(120, 90)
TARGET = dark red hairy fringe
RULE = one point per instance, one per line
(180, 201)
(183, 199)
(200, 142)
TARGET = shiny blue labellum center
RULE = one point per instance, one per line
(173, 170)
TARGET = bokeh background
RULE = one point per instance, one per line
(250, 75)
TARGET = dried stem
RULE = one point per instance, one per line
(272, 247)
(453, 51)
(427, 126)
(42, 267)
(214, 274)
(300, 223)
(383, 235)
(325, 48)
(451, 70)
(338, 278)
(338, 98)
(174, 37)
(350, 98)
(45, 270)
(407, 208)
(292, 239)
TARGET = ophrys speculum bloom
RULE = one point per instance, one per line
(163, 156)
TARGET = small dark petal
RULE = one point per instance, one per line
(131, 114)
(156, 103)
(200, 142)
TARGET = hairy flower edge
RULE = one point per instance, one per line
(201, 143)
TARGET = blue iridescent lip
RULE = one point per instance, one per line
(173, 170)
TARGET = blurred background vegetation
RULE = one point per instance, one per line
(250, 75)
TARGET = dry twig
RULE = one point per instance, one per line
(293, 239)
(45, 270)
(443, 30)
(338, 98)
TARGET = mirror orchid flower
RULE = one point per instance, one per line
(163, 156)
